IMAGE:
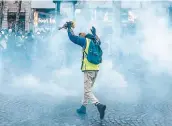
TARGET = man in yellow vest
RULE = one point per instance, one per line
(90, 71)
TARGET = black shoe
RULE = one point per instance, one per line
(101, 108)
(81, 110)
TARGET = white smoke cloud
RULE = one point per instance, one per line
(58, 72)
(156, 48)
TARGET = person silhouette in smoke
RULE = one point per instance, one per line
(90, 70)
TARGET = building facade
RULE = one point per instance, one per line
(9, 15)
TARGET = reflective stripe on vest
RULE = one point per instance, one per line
(86, 65)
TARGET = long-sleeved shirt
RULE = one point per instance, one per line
(77, 39)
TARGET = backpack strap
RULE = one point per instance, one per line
(84, 52)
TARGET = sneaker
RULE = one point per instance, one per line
(81, 110)
(101, 108)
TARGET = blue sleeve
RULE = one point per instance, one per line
(76, 39)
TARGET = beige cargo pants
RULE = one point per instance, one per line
(89, 79)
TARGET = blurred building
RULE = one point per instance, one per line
(44, 14)
(41, 14)
(33, 14)
(9, 15)
(98, 10)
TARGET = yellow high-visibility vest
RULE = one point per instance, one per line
(86, 65)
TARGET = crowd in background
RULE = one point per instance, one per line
(21, 48)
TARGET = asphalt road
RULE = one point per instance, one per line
(35, 110)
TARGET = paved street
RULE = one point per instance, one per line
(30, 110)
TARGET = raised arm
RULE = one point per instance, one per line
(76, 39)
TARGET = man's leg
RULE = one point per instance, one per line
(88, 95)
(89, 79)
(101, 108)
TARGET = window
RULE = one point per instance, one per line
(12, 20)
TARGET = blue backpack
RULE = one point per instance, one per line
(94, 52)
